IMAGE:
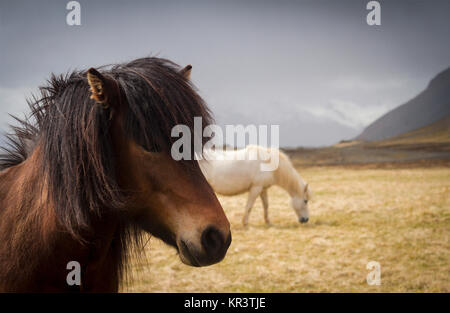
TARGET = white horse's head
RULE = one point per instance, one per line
(300, 204)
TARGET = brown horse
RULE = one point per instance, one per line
(90, 170)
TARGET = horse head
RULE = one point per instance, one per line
(300, 204)
(169, 199)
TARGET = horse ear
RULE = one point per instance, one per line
(100, 86)
(306, 187)
(186, 71)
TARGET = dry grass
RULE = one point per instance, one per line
(398, 217)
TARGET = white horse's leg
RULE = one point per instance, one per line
(252, 195)
(265, 201)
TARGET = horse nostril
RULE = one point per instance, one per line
(304, 220)
(228, 242)
(212, 240)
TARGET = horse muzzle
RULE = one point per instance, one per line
(212, 248)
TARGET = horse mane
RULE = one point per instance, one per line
(72, 131)
(287, 176)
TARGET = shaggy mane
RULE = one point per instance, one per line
(73, 133)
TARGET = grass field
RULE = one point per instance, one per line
(397, 217)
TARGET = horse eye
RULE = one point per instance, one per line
(306, 201)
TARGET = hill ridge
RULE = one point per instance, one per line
(429, 106)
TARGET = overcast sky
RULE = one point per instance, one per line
(313, 67)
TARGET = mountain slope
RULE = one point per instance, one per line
(437, 133)
(425, 146)
(428, 107)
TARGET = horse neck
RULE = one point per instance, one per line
(37, 243)
(287, 178)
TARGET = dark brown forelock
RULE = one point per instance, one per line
(154, 88)
(74, 135)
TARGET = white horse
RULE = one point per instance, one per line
(233, 172)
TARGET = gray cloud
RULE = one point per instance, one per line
(314, 67)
